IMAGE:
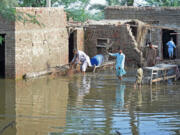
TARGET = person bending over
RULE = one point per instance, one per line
(81, 58)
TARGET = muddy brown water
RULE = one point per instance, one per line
(94, 104)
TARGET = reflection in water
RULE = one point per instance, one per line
(120, 96)
(92, 104)
(83, 88)
(7, 108)
(140, 100)
(36, 107)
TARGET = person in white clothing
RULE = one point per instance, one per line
(81, 58)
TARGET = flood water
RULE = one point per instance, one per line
(94, 104)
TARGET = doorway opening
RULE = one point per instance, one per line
(2, 55)
(71, 46)
(166, 36)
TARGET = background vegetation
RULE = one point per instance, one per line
(79, 10)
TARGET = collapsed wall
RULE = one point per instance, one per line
(166, 18)
(98, 34)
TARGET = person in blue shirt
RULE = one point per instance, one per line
(171, 47)
(120, 60)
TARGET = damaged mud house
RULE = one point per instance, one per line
(31, 48)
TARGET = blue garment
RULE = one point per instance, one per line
(120, 60)
(170, 52)
(97, 60)
(171, 47)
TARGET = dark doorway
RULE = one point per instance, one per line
(71, 46)
(166, 36)
(2, 56)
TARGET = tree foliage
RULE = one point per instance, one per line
(78, 12)
(101, 7)
(6, 9)
(1, 40)
(167, 3)
(76, 9)
(8, 12)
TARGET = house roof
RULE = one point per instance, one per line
(144, 8)
(111, 22)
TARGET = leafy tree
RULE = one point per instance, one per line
(77, 12)
(8, 12)
(167, 3)
(35, 3)
(75, 9)
(127, 2)
(1, 40)
(101, 7)
(9, 3)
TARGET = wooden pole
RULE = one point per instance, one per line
(149, 26)
(174, 33)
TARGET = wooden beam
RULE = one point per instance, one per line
(174, 33)
(163, 78)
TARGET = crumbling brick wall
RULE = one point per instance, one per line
(164, 17)
(7, 28)
(79, 39)
(178, 44)
(121, 36)
(32, 48)
(38, 48)
(156, 39)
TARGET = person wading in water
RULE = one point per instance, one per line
(151, 55)
(120, 60)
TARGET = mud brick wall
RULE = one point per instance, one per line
(164, 16)
(156, 39)
(178, 45)
(8, 28)
(120, 35)
(38, 48)
(79, 39)
(167, 16)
